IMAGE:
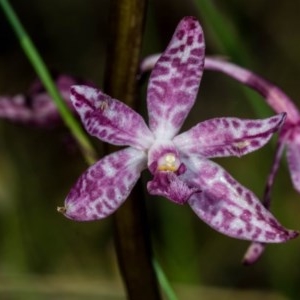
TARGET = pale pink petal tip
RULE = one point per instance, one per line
(253, 253)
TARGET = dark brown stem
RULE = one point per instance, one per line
(131, 231)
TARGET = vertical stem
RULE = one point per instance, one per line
(131, 232)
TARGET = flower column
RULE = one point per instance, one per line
(131, 232)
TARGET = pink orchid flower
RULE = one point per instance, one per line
(36, 107)
(289, 136)
(180, 165)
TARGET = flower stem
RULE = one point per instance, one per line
(43, 73)
(131, 230)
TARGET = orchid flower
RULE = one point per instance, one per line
(179, 163)
(36, 107)
(289, 135)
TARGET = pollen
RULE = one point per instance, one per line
(168, 162)
(242, 145)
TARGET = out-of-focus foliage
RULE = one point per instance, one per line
(38, 167)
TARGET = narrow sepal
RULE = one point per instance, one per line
(105, 185)
(273, 95)
(36, 107)
(228, 136)
(253, 253)
(293, 158)
(229, 207)
(175, 79)
(109, 119)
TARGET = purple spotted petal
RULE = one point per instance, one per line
(229, 207)
(227, 136)
(253, 253)
(175, 79)
(274, 96)
(293, 158)
(36, 107)
(110, 120)
(169, 185)
(15, 109)
(105, 185)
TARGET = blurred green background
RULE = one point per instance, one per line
(45, 256)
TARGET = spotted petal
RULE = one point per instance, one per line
(36, 107)
(14, 109)
(293, 157)
(175, 79)
(109, 119)
(229, 207)
(105, 185)
(227, 136)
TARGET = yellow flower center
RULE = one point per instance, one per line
(168, 162)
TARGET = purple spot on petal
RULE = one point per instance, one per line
(239, 190)
(181, 48)
(99, 208)
(227, 218)
(246, 216)
(161, 70)
(200, 38)
(197, 51)
(236, 124)
(107, 205)
(190, 40)
(256, 234)
(180, 34)
(173, 50)
(270, 235)
(249, 198)
(229, 179)
(253, 124)
(248, 227)
(192, 24)
(110, 193)
(240, 231)
(176, 81)
(225, 123)
(255, 143)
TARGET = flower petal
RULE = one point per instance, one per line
(229, 207)
(254, 252)
(227, 136)
(274, 96)
(293, 158)
(169, 185)
(36, 107)
(14, 109)
(109, 119)
(105, 185)
(175, 79)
